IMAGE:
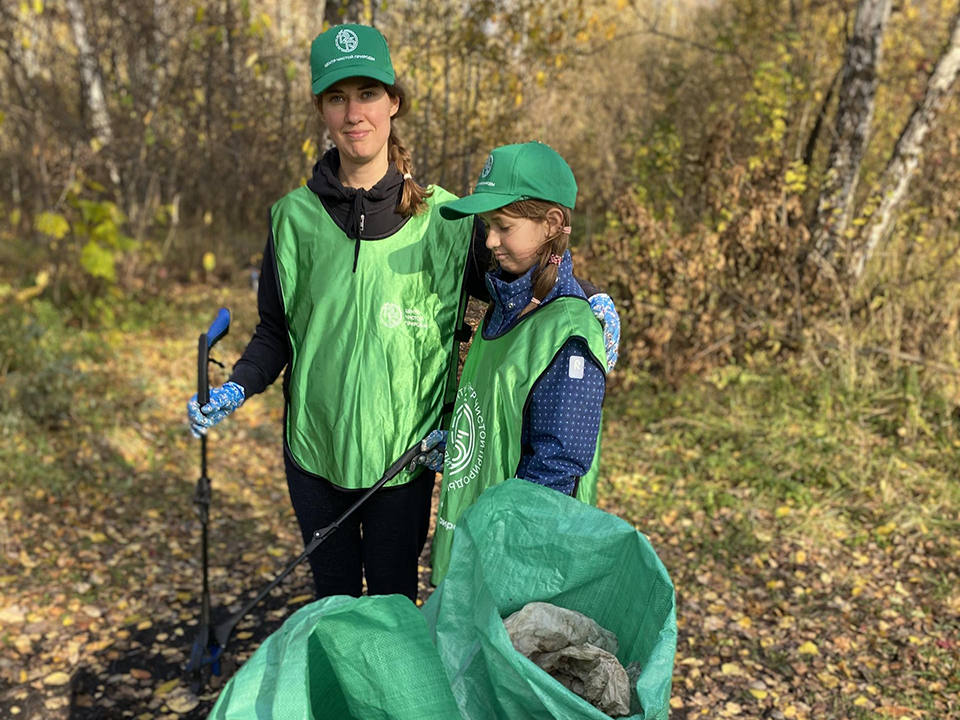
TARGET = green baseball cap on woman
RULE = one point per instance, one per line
(528, 171)
(346, 51)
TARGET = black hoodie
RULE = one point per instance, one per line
(367, 216)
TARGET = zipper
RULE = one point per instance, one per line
(362, 216)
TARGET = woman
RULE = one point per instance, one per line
(362, 295)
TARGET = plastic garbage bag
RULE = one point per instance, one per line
(522, 543)
(367, 658)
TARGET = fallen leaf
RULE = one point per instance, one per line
(166, 687)
(57, 678)
(808, 648)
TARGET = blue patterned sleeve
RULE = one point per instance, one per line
(562, 421)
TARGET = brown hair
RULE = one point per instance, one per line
(413, 199)
(546, 276)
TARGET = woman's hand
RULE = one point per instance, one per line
(603, 308)
(223, 401)
(432, 448)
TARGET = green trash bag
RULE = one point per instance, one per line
(368, 658)
(521, 543)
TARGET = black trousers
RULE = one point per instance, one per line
(383, 537)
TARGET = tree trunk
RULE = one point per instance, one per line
(858, 88)
(908, 152)
(90, 76)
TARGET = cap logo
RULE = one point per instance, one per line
(487, 167)
(346, 40)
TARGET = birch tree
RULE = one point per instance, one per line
(858, 88)
(908, 152)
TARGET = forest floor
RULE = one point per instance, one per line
(812, 533)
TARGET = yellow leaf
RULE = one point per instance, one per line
(808, 648)
(789, 712)
(782, 511)
(276, 551)
(759, 694)
(144, 625)
(860, 701)
(518, 100)
(153, 514)
(209, 261)
(207, 218)
(98, 537)
(57, 678)
(676, 702)
(244, 635)
(828, 680)
(299, 599)
(166, 687)
(730, 669)
(801, 557)
(745, 623)
(251, 59)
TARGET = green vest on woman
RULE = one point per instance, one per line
(373, 361)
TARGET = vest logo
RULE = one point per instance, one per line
(487, 167)
(467, 440)
(346, 40)
(392, 315)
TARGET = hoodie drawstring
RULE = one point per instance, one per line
(358, 231)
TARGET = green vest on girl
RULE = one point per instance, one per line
(374, 358)
(483, 447)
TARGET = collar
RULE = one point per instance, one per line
(511, 294)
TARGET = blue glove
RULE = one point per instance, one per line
(433, 445)
(603, 308)
(223, 401)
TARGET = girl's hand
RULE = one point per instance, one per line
(432, 447)
(603, 308)
(223, 401)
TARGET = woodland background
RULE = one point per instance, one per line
(768, 189)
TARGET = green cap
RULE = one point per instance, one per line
(346, 51)
(529, 171)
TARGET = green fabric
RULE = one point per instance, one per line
(484, 444)
(521, 543)
(373, 354)
(517, 172)
(346, 51)
(367, 658)
(378, 657)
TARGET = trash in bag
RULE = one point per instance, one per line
(541, 627)
(593, 674)
(575, 651)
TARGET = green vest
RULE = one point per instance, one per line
(483, 447)
(373, 351)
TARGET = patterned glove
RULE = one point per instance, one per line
(223, 401)
(603, 308)
(434, 446)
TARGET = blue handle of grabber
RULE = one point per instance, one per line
(219, 328)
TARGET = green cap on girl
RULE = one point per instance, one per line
(528, 171)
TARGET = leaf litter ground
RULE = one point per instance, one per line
(803, 605)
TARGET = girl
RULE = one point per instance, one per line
(532, 387)
(361, 299)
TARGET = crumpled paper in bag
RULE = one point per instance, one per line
(574, 650)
